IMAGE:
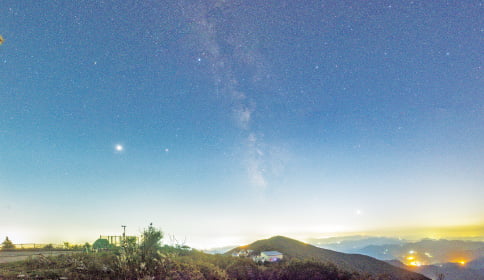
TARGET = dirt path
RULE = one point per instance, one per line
(13, 256)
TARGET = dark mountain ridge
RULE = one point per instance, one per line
(293, 249)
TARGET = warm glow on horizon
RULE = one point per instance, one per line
(44, 237)
(412, 260)
(461, 262)
(415, 263)
(459, 231)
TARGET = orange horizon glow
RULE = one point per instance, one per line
(467, 232)
(461, 262)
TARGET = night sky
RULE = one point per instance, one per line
(226, 121)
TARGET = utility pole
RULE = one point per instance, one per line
(124, 236)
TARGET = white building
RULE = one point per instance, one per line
(271, 256)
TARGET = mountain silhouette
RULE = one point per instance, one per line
(293, 249)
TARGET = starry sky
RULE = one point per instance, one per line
(226, 121)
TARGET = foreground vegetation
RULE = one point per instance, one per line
(181, 265)
(149, 260)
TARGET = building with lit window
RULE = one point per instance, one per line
(271, 256)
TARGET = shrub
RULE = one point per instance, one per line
(150, 243)
(7, 244)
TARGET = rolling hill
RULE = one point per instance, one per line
(293, 249)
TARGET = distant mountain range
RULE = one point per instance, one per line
(427, 251)
(450, 271)
(293, 249)
(350, 244)
(218, 250)
(455, 259)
